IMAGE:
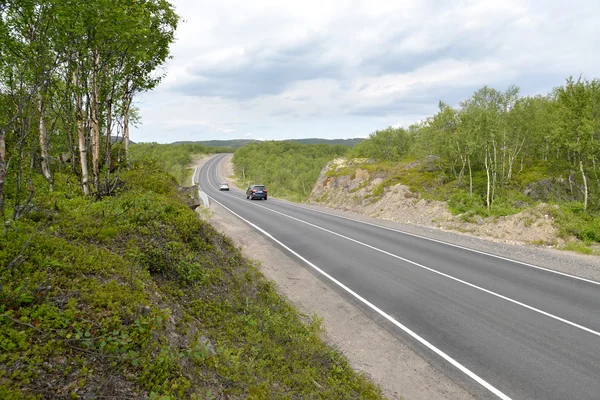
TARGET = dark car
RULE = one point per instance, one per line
(256, 192)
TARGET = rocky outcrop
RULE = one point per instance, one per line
(190, 196)
(358, 190)
(362, 192)
(549, 189)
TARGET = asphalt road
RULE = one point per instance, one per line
(500, 328)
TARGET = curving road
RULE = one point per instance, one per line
(500, 328)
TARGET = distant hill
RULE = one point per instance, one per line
(119, 139)
(343, 142)
(235, 143)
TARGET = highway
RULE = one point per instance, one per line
(500, 328)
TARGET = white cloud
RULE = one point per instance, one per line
(336, 68)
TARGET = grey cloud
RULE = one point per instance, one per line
(271, 70)
(423, 100)
(266, 72)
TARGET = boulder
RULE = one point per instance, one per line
(190, 196)
(430, 163)
(548, 189)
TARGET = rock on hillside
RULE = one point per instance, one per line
(357, 190)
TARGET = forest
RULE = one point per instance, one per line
(502, 136)
(288, 169)
(495, 153)
(176, 159)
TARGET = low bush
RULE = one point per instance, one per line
(133, 296)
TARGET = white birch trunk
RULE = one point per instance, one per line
(487, 172)
(44, 142)
(585, 186)
(3, 170)
(85, 180)
(95, 124)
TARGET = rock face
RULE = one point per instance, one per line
(190, 196)
(355, 193)
(362, 192)
(549, 189)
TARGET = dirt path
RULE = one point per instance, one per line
(391, 363)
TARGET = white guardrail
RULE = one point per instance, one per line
(203, 196)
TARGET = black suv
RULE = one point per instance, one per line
(256, 192)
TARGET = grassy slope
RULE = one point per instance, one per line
(133, 296)
(568, 216)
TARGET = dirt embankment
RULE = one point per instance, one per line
(397, 203)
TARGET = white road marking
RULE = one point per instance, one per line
(435, 240)
(439, 352)
(424, 342)
(498, 295)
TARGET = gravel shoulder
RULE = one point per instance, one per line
(371, 349)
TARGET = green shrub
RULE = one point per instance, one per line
(462, 202)
(572, 220)
(135, 294)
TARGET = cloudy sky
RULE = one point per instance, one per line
(281, 69)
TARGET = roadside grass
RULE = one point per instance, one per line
(579, 247)
(134, 296)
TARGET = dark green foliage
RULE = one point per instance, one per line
(288, 169)
(134, 296)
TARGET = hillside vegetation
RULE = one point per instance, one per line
(499, 153)
(288, 169)
(174, 159)
(133, 296)
(111, 286)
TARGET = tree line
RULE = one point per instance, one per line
(288, 169)
(176, 159)
(498, 135)
(69, 71)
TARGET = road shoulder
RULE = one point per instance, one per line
(371, 349)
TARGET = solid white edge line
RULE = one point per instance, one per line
(421, 340)
(448, 244)
(435, 240)
(498, 295)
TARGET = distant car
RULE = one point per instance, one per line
(256, 192)
(224, 186)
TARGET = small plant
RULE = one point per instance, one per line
(579, 247)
